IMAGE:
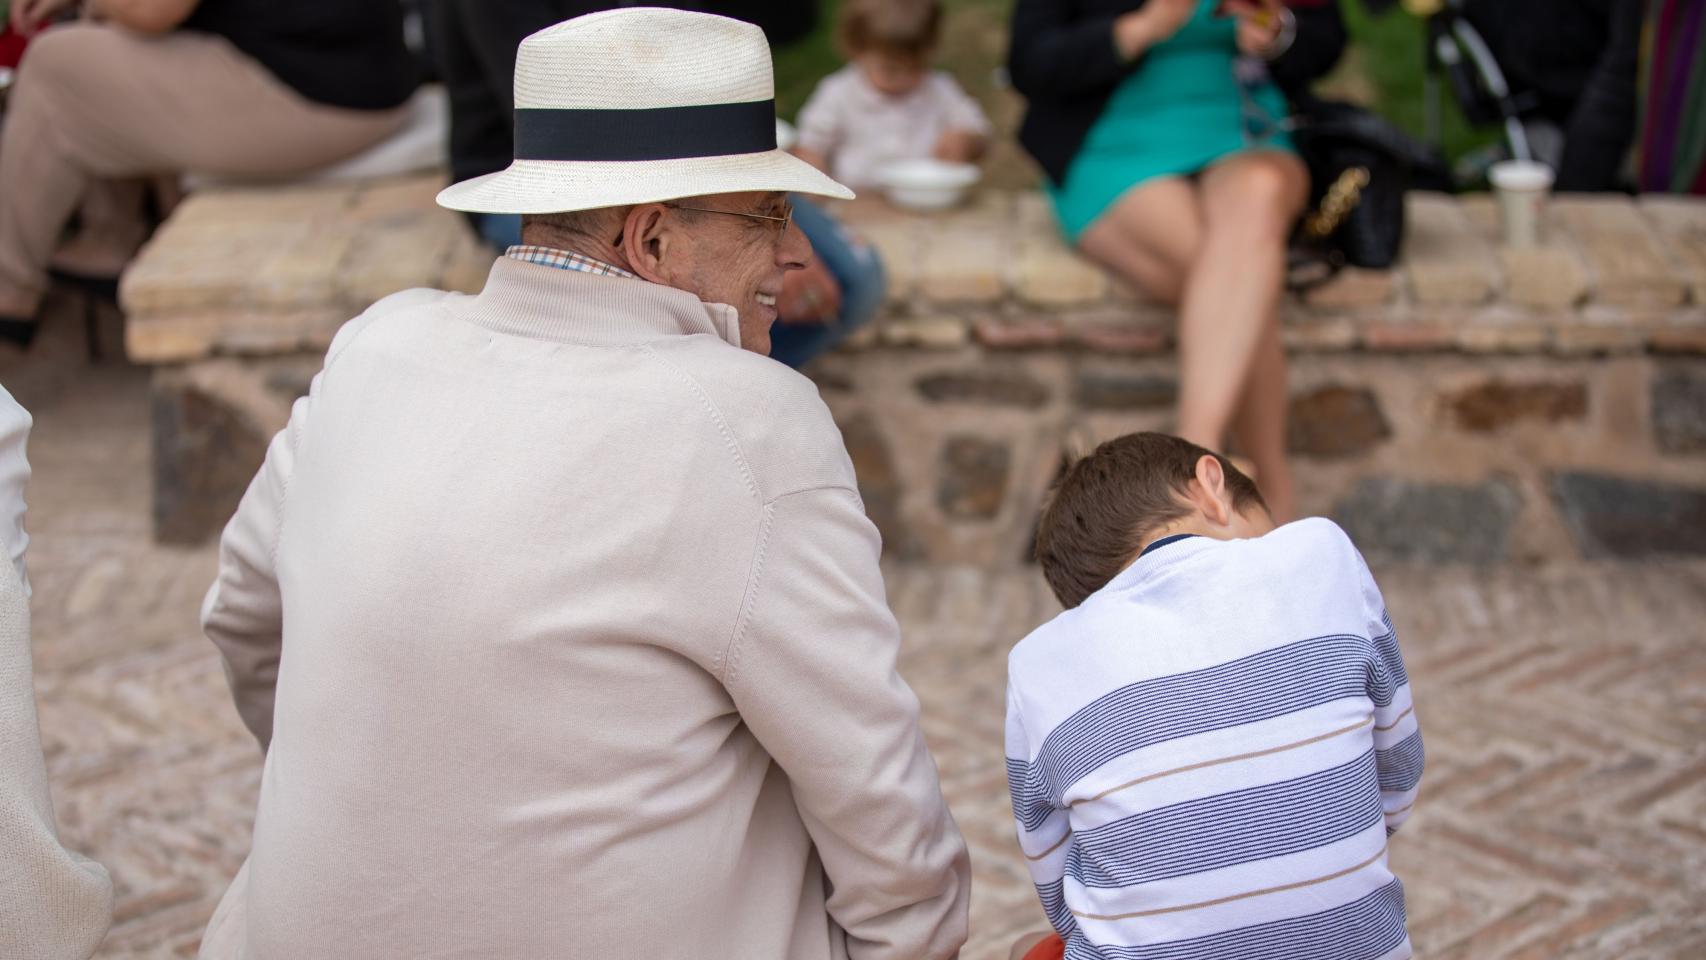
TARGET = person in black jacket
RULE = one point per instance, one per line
(1167, 161)
(1577, 60)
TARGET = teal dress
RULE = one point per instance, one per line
(1177, 112)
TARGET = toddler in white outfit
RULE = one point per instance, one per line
(887, 104)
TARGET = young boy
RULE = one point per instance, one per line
(887, 104)
(1208, 749)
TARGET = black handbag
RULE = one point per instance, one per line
(1360, 167)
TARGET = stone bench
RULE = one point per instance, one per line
(1474, 404)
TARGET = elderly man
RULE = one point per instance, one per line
(555, 606)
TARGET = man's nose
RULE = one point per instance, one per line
(794, 251)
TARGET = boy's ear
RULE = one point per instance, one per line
(1211, 490)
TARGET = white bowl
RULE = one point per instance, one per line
(926, 184)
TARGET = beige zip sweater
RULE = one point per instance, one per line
(563, 619)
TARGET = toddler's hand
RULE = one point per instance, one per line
(959, 146)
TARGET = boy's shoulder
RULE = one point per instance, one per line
(1313, 533)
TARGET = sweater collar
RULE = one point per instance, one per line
(531, 300)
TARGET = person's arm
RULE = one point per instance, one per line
(966, 134)
(1045, 832)
(1319, 42)
(811, 668)
(1602, 125)
(243, 613)
(54, 904)
(1055, 52)
(15, 424)
(820, 124)
(1398, 756)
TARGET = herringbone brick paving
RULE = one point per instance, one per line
(1563, 813)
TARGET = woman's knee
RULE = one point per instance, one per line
(60, 59)
(1259, 192)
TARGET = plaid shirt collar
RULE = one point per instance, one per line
(565, 260)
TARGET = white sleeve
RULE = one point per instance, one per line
(1045, 831)
(15, 425)
(820, 120)
(1398, 755)
(963, 114)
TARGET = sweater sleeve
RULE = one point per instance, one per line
(15, 424)
(243, 613)
(54, 904)
(811, 668)
(1045, 831)
(1056, 52)
(1398, 757)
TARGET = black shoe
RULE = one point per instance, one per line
(20, 332)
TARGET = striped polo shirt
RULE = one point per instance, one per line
(1207, 756)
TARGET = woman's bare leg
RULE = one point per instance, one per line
(1150, 237)
(1230, 355)
(1259, 425)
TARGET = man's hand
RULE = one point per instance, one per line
(29, 16)
(1259, 23)
(959, 146)
(810, 295)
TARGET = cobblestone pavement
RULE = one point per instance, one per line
(1563, 813)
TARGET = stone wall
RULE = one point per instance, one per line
(1431, 457)
(1474, 405)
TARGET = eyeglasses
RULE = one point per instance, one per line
(785, 219)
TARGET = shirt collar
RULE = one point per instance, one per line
(1175, 538)
(565, 260)
(574, 306)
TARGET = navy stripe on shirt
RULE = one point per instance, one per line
(1401, 764)
(1264, 685)
(1364, 929)
(1258, 823)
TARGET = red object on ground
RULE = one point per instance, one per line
(11, 46)
(1049, 948)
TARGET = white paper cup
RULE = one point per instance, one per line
(1522, 187)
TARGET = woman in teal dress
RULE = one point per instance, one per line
(1167, 163)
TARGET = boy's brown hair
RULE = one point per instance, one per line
(1110, 501)
(906, 28)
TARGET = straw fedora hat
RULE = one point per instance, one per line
(640, 105)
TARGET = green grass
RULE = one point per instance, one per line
(1389, 51)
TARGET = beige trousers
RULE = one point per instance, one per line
(95, 102)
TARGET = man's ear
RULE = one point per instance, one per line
(646, 241)
(1210, 490)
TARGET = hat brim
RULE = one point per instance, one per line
(560, 186)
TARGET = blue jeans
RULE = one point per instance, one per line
(854, 264)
